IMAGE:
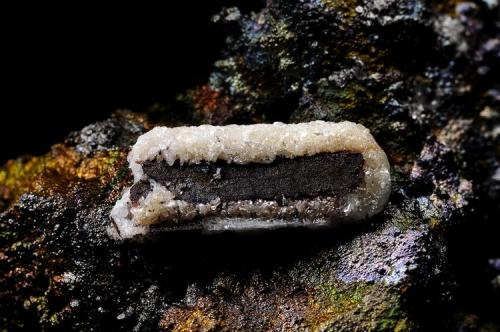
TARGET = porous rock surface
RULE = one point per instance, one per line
(421, 75)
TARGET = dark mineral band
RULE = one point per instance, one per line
(327, 174)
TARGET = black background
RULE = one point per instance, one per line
(63, 68)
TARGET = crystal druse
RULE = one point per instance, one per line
(240, 177)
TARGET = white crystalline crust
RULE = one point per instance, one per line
(260, 143)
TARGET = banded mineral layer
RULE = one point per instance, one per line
(251, 177)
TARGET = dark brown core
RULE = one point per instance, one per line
(328, 174)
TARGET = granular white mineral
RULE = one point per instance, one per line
(162, 206)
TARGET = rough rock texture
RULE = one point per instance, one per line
(421, 75)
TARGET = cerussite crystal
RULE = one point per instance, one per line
(250, 177)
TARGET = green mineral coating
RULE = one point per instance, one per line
(58, 171)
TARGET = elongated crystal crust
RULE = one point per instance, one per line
(250, 177)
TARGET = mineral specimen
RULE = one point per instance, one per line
(422, 75)
(250, 177)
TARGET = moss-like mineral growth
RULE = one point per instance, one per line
(57, 172)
